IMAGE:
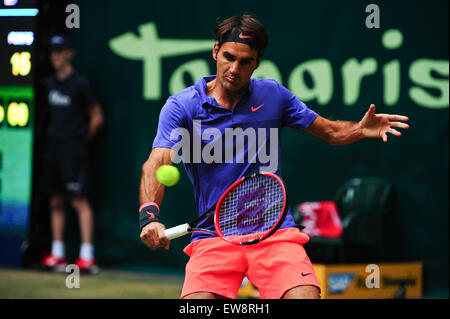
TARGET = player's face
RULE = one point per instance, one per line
(236, 63)
(60, 58)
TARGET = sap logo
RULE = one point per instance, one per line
(338, 283)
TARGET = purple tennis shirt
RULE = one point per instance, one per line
(218, 145)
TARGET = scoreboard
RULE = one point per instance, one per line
(17, 42)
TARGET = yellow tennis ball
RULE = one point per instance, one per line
(168, 175)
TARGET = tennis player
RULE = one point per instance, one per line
(277, 266)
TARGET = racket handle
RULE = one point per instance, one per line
(177, 231)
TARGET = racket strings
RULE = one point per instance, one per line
(252, 209)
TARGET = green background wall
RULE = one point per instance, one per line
(299, 32)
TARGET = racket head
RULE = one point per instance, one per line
(251, 209)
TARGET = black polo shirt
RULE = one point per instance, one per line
(69, 101)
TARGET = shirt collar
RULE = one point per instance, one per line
(200, 86)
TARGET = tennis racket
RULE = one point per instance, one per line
(249, 211)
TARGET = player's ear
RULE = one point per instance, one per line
(215, 51)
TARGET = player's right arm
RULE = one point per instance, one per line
(172, 116)
(152, 191)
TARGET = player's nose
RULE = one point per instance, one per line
(234, 67)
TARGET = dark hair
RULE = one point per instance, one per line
(247, 23)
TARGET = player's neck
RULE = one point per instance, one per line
(64, 72)
(224, 97)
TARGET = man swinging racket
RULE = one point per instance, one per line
(251, 111)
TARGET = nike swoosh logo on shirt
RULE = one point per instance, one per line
(304, 275)
(256, 108)
(244, 36)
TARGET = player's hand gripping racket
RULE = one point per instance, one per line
(250, 210)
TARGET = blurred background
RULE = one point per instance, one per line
(323, 51)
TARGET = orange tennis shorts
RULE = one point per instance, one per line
(273, 265)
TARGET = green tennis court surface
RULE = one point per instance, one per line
(17, 283)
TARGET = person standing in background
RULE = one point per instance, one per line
(75, 116)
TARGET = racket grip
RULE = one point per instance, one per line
(177, 231)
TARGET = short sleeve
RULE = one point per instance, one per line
(296, 114)
(87, 94)
(172, 118)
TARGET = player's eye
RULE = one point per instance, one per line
(229, 57)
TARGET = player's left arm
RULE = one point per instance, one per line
(95, 119)
(345, 132)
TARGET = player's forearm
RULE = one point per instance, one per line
(344, 132)
(151, 190)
